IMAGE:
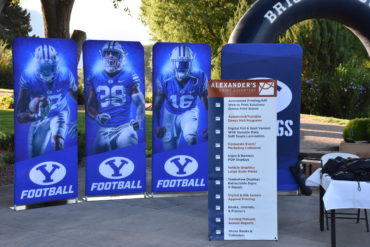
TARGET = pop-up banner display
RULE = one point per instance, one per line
(242, 196)
(45, 114)
(284, 63)
(115, 117)
(180, 76)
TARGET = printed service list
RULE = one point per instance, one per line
(249, 158)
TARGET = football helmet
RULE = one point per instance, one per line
(181, 58)
(47, 63)
(112, 56)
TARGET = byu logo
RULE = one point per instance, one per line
(116, 168)
(47, 173)
(181, 166)
(284, 94)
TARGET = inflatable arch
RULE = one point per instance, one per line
(267, 19)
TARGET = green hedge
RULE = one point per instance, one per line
(6, 66)
(6, 102)
(344, 94)
(357, 130)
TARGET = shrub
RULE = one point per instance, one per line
(81, 146)
(6, 102)
(6, 142)
(357, 129)
(6, 158)
(80, 92)
(6, 66)
(345, 94)
(148, 99)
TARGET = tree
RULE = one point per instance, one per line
(14, 22)
(225, 33)
(187, 21)
(326, 45)
(2, 4)
(57, 16)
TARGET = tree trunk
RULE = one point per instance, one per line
(57, 15)
(79, 36)
(2, 4)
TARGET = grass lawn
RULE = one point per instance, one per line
(332, 120)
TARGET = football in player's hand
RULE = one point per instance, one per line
(205, 134)
(37, 103)
(160, 131)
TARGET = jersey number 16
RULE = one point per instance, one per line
(183, 102)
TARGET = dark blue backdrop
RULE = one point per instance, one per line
(54, 185)
(284, 63)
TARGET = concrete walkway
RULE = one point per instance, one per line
(160, 222)
(319, 136)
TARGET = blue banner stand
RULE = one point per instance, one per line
(45, 122)
(284, 63)
(115, 120)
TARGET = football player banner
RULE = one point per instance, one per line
(284, 63)
(179, 138)
(115, 117)
(45, 120)
(242, 196)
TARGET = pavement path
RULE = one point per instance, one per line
(319, 136)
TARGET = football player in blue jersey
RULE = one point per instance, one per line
(42, 100)
(179, 91)
(109, 96)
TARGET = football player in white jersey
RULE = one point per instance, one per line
(109, 96)
(42, 100)
(179, 92)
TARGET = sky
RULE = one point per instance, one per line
(99, 19)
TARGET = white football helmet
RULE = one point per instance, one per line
(47, 63)
(181, 58)
(113, 56)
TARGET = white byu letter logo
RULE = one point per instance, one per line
(47, 173)
(284, 94)
(181, 166)
(116, 168)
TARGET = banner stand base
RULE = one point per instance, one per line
(178, 194)
(288, 193)
(44, 204)
(118, 197)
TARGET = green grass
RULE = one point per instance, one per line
(148, 126)
(6, 121)
(332, 120)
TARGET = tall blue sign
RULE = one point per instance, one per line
(284, 63)
(180, 76)
(115, 117)
(45, 120)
